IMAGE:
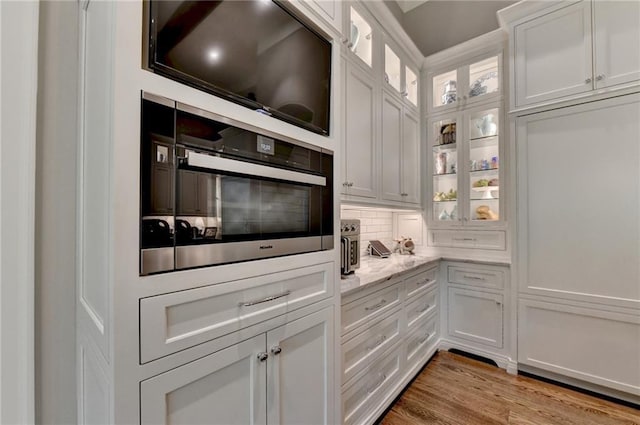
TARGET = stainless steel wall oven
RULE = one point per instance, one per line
(216, 191)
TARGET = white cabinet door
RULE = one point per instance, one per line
(360, 140)
(410, 158)
(553, 55)
(579, 202)
(226, 387)
(476, 316)
(598, 346)
(300, 371)
(617, 42)
(391, 148)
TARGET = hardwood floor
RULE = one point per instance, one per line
(454, 389)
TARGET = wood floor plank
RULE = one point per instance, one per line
(456, 390)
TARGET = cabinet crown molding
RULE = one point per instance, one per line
(527, 9)
(485, 43)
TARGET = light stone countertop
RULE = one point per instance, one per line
(375, 270)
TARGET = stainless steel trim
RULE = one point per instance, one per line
(327, 242)
(196, 159)
(229, 252)
(159, 99)
(264, 300)
(154, 260)
(221, 118)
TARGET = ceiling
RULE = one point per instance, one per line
(407, 5)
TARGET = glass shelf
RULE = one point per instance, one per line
(444, 174)
(446, 147)
(448, 200)
(490, 170)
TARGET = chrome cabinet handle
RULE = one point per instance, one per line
(404, 194)
(375, 307)
(264, 300)
(276, 350)
(350, 184)
(404, 94)
(425, 308)
(464, 239)
(345, 184)
(344, 40)
(349, 45)
(424, 282)
(587, 81)
(380, 340)
(377, 385)
(263, 356)
(600, 77)
(474, 277)
(423, 340)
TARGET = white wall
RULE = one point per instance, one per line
(55, 217)
(18, 69)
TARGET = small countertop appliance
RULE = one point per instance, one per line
(350, 246)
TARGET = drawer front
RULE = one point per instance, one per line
(176, 321)
(476, 276)
(369, 387)
(366, 309)
(495, 240)
(422, 307)
(420, 339)
(601, 347)
(416, 285)
(367, 346)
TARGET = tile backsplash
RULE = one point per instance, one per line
(376, 225)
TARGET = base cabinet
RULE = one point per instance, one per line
(388, 347)
(267, 379)
(476, 316)
(582, 342)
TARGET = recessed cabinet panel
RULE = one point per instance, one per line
(476, 316)
(227, 386)
(617, 42)
(300, 371)
(391, 148)
(360, 139)
(579, 180)
(553, 55)
(601, 347)
(421, 337)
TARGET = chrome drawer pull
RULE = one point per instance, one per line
(264, 300)
(474, 277)
(423, 340)
(377, 385)
(424, 282)
(382, 339)
(377, 306)
(464, 239)
(426, 307)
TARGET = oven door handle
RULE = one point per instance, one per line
(216, 163)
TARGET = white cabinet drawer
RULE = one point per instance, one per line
(602, 347)
(420, 339)
(176, 321)
(476, 316)
(367, 390)
(364, 310)
(495, 240)
(477, 276)
(421, 282)
(422, 307)
(365, 347)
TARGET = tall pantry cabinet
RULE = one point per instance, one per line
(235, 343)
(575, 104)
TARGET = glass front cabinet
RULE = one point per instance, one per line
(458, 87)
(465, 172)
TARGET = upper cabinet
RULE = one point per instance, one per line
(573, 50)
(400, 78)
(358, 35)
(451, 87)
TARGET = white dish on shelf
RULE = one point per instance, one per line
(487, 191)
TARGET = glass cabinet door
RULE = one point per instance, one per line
(411, 86)
(360, 37)
(445, 89)
(483, 157)
(483, 79)
(443, 136)
(392, 68)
